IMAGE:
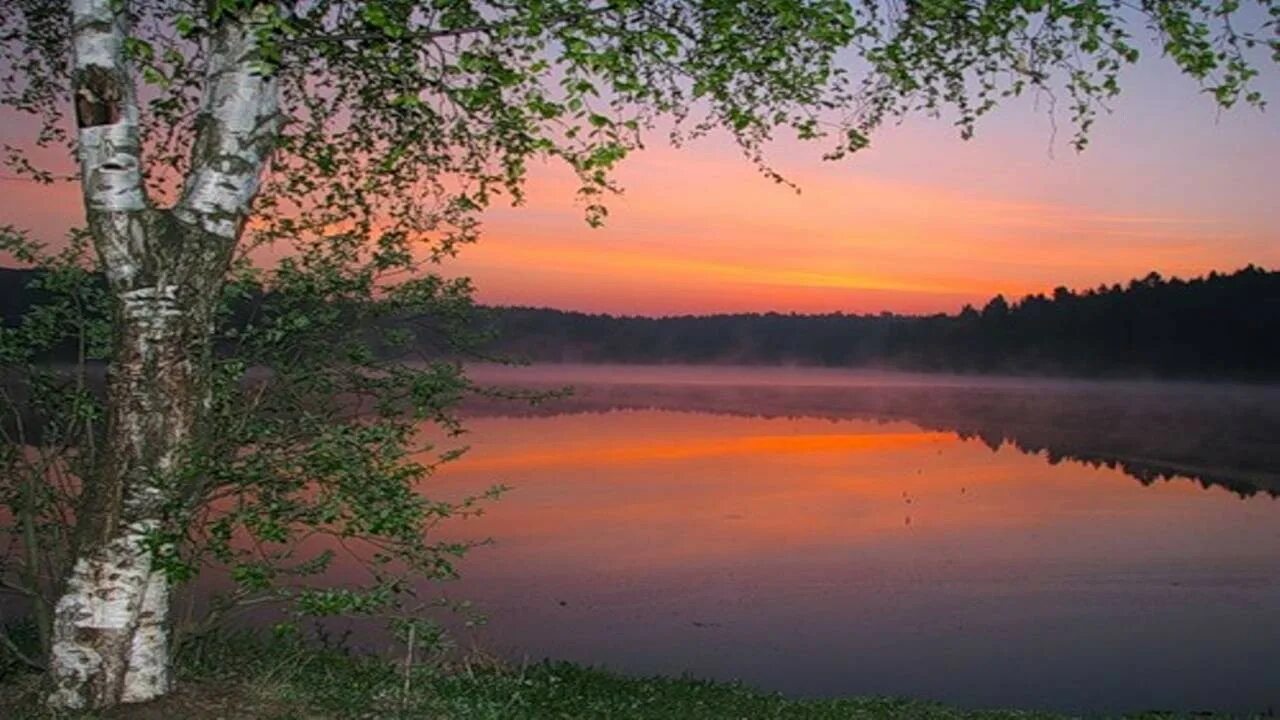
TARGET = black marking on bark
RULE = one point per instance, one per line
(98, 98)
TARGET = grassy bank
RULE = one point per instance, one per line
(244, 678)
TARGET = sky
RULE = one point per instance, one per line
(920, 222)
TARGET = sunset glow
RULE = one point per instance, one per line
(920, 222)
(698, 489)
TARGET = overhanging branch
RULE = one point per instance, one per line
(441, 33)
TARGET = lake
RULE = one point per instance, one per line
(1066, 545)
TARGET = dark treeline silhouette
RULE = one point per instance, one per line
(1222, 326)
(1219, 326)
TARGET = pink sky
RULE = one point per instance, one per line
(920, 222)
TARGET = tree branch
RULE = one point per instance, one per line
(441, 34)
(238, 124)
(8, 644)
(109, 150)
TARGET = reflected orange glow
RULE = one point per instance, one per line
(589, 453)
(664, 541)
(680, 490)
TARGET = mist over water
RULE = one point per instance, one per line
(1220, 433)
(1088, 547)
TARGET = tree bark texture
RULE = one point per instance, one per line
(165, 269)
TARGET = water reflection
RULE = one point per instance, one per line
(1217, 435)
(829, 538)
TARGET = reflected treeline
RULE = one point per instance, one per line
(1215, 435)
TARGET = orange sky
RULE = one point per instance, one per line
(920, 222)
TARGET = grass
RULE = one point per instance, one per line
(243, 677)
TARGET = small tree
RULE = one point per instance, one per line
(357, 141)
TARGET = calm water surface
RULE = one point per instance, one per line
(1089, 547)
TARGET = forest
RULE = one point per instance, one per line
(1220, 326)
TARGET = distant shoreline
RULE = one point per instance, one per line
(1215, 433)
(1215, 328)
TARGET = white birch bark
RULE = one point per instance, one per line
(98, 612)
(108, 146)
(239, 124)
(110, 638)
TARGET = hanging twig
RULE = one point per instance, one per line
(408, 664)
(12, 647)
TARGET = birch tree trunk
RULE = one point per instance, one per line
(165, 269)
